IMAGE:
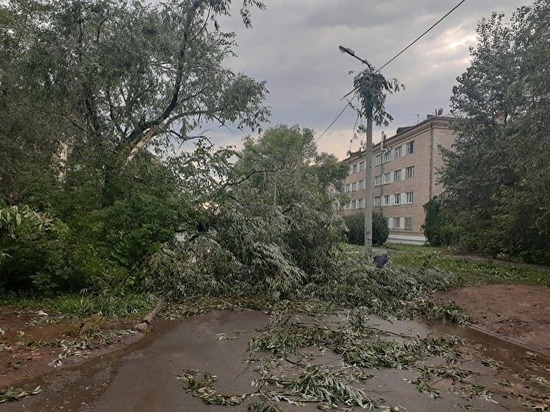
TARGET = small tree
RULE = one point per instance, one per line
(440, 227)
(356, 229)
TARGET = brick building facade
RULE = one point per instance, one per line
(405, 174)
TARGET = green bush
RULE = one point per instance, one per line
(27, 240)
(41, 253)
(440, 227)
(356, 229)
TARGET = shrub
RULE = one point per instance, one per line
(356, 229)
(440, 227)
(27, 240)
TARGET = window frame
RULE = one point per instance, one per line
(397, 175)
(397, 199)
(396, 223)
(397, 152)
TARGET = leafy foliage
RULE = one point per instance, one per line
(372, 86)
(497, 179)
(28, 242)
(85, 87)
(356, 229)
(440, 227)
(14, 394)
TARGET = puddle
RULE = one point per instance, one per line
(142, 376)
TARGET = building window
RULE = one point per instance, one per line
(397, 199)
(355, 168)
(397, 152)
(362, 166)
(361, 184)
(386, 200)
(377, 180)
(354, 204)
(410, 197)
(354, 186)
(397, 175)
(409, 172)
(387, 178)
(396, 222)
(409, 148)
(378, 160)
(361, 203)
(377, 201)
(348, 188)
(408, 223)
(387, 156)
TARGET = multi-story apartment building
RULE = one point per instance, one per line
(405, 173)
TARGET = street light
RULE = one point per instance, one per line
(349, 51)
(369, 206)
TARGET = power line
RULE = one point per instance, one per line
(422, 35)
(334, 121)
(388, 62)
(413, 42)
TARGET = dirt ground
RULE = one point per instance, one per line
(520, 313)
(34, 343)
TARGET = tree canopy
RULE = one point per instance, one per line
(96, 96)
(498, 178)
(107, 78)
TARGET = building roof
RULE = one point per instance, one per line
(404, 132)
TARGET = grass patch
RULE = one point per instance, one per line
(108, 306)
(469, 270)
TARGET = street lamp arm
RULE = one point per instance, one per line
(349, 51)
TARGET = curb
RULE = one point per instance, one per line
(542, 353)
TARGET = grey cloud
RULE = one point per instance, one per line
(294, 47)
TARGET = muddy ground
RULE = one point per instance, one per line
(520, 313)
(34, 343)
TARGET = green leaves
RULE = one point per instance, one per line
(14, 394)
(498, 177)
(372, 86)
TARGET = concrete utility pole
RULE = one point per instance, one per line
(369, 205)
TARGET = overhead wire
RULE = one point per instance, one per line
(422, 35)
(387, 63)
(335, 120)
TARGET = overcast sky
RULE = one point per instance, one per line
(293, 46)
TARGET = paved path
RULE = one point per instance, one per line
(144, 376)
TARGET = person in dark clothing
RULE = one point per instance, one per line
(381, 260)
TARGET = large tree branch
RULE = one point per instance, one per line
(248, 176)
(151, 125)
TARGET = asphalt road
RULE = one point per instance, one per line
(143, 377)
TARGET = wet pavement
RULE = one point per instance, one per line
(143, 377)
